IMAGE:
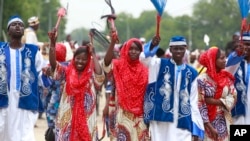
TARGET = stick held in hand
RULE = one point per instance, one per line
(61, 13)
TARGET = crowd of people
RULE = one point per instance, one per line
(151, 94)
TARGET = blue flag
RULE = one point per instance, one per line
(159, 5)
(244, 7)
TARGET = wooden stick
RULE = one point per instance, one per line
(61, 13)
(158, 20)
(58, 22)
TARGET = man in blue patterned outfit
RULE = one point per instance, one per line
(19, 98)
(170, 106)
(238, 63)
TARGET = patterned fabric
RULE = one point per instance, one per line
(238, 65)
(128, 127)
(18, 112)
(163, 94)
(218, 85)
(222, 78)
(241, 88)
(170, 105)
(27, 76)
(53, 97)
(125, 125)
(130, 91)
(110, 90)
(222, 119)
(65, 126)
(76, 86)
(126, 100)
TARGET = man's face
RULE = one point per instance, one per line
(178, 52)
(16, 29)
(246, 45)
(35, 27)
(236, 37)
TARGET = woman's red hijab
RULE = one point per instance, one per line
(131, 79)
(221, 78)
(77, 85)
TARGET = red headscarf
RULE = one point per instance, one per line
(77, 85)
(131, 79)
(222, 78)
(60, 52)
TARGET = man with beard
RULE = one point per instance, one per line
(170, 106)
(19, 68)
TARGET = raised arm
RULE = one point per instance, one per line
(52, 51)
(97, 66)
(149, 50)
(152, 46)
(109, 54)
(234, 59)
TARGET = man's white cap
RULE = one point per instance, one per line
(33, 21)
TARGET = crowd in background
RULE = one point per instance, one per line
(151, 93)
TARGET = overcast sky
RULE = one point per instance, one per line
(87, 13)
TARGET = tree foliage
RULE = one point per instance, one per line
(46, 10)
(219, 19)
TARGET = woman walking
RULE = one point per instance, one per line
(131, 79)
(217, 95)
(76, 119)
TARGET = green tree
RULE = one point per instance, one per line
(46, 10)
(217, 18)
(171, 26)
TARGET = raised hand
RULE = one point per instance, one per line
(114, 36)
(151, 47)
(156, 40)
(91, 48)
(240, 48)
(52, 50)
(53, 37)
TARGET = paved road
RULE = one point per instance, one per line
(42, 125)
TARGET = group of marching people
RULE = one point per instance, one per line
(166, 98)
(147, 97)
